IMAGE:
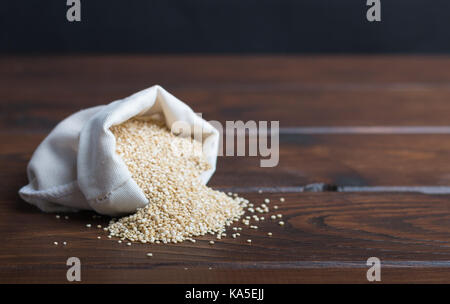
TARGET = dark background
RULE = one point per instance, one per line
(225, 26)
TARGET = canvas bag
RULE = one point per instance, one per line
(76, 166)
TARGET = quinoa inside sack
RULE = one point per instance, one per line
(168, 168)
(76, 167)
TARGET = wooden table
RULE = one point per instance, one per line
(368, 134)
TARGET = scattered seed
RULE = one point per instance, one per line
(259, 191)
(66, 217)
(269, 233)
(119, 241)
(211, 242)
(88, 225)
(99, 237)
(55, 243)
(166, 178)
(273, 217)
(281, 223)
(57, 216)
(128, 244)
(281, 199)
(99, 226)
(249, 241)
(64, 243)
(275, 207)
(266, 200)
(279, 215)
(149, 254)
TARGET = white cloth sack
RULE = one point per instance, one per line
(76, 166)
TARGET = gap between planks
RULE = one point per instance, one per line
(320, 187)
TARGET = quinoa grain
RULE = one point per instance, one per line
(167, 169)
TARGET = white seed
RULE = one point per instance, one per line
(259, 191)
(273, 217)
(57, 216)
(66, 217)
(149, 254)
(180, 206)
(269, 233)
(99, 237)
(128, 244)
(55, 243)
(99, 226)
(281, 223)
(88, 225)
(249, 241)
(119, 241)
(211, 242)
(266, 200)
(64, 243)
(281, 199)
(279, 215)
(275, 207)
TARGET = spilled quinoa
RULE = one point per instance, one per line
(167, 168)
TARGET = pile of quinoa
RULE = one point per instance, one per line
(167, 169)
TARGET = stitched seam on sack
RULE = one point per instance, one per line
(104, 197)
(54, 192)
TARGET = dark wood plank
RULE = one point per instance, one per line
(203, 71)
(330, 231)
(340, 160)
(37, 92)
(327, 237)
(423, 107)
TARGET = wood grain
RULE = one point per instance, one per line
(338, 160)
(322, 231)
(37, 92)
(328, 235)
